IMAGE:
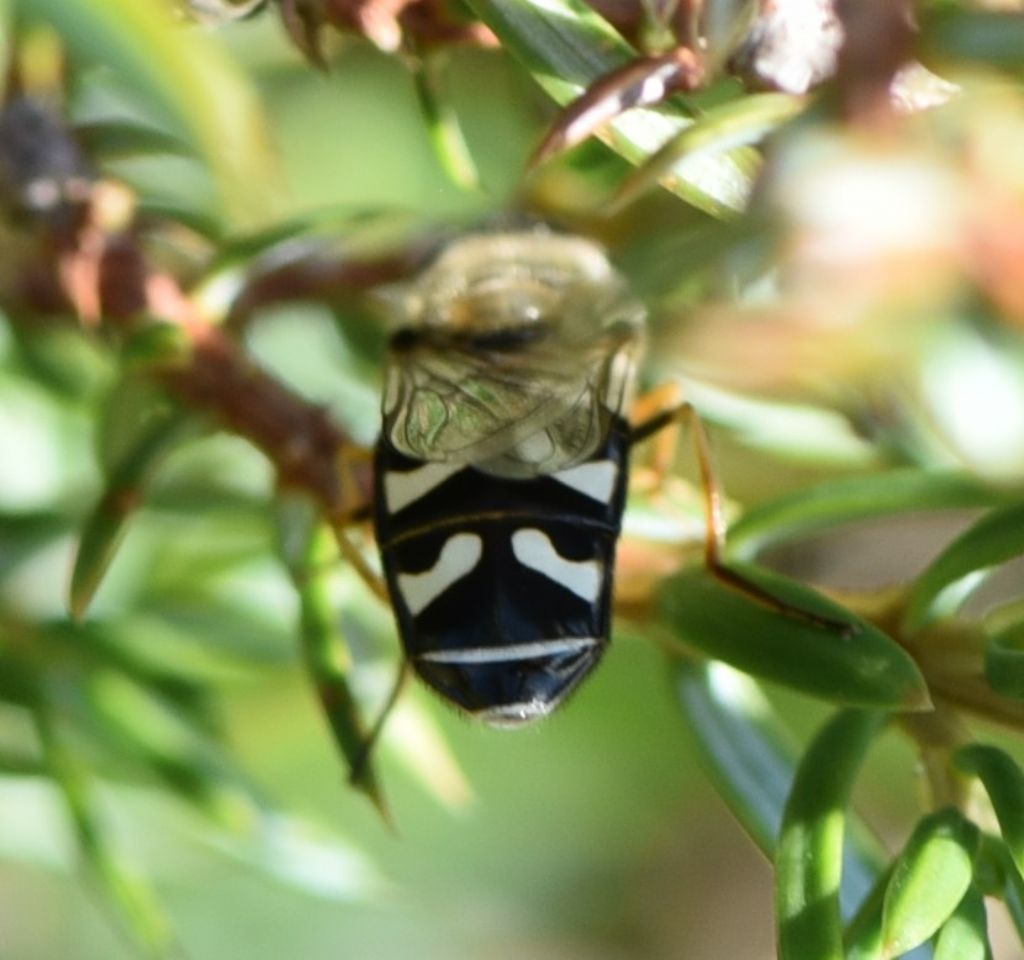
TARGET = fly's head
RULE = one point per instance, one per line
(511, 291)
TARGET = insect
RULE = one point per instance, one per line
(502, 468)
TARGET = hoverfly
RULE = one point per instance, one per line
(502, 468)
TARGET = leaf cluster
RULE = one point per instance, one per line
(831, 270)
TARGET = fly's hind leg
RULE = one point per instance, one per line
(357, 510)
(660, 414)
(360, 765)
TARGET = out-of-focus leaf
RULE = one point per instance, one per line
(305, 858)
(443, 123)
(163, 740)
(222, 11)
(104, 528)
(862, 939)
(96, 646)
(752, 761)
(63, 358)
(1004, 661)
(1013, 891)
(118, 138)
(22, 534)
(19, 684)
(1004, 783)
(964, 936)
(798, 431)
(644, 81)
(126, 891)
(929, 879)
(567, 47)
(186, 75)
(203, 636)
(308, 549)
(737, 123)
(155, 343)
(335, 235)
(951, 34)
(808, 860)
(949, 579)
(858, 667)
(835, 502)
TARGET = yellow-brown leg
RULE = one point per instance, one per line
(663, 411)
(360, 763)
(356, 509)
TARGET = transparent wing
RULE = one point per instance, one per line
(513, 414)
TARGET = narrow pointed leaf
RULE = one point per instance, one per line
(1004, 661)
(738, 123)
(949, 579)
(165, 741)
(104, 528)
(809, 857)
(1013, 894)
(1004, 784)
(443, 125)
(857, 666)
(124, 888)
(567, 47)
(836, 502)
(643, 82)
(862, 939)
(23, 534)
(929, 879)
(964, 936)
(308, 550)
(752, 761)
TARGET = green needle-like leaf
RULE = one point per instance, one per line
(567, 47)
(752, 761)
(104, 528)
(737, 123)
(939, 591)
(835, 502)
(443, 125)
(857, 666)
(164, 739)
(1004, 661)
(1004, 783)
(126, 891)
(808, 861)
(964, 936)
(309, 552)
(929, 879)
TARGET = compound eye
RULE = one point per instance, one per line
(404, 339)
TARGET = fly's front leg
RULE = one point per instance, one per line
(661, 414)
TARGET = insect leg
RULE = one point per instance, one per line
(350, 459)
(361, 762)
(714, 517)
